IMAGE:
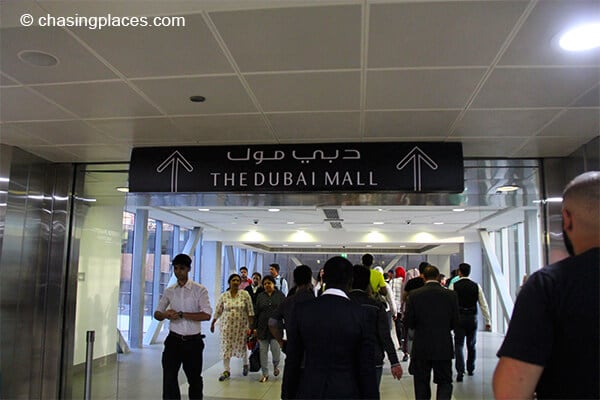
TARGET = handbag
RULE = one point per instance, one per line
(251, 339)
(255, 358)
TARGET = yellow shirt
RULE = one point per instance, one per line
(377, 280)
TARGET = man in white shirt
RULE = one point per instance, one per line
(185, 304)
(469, 294)
(280, 282)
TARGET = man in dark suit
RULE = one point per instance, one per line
(432, 311)
(337, 339)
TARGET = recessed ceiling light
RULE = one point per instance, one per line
(122, 189)
(507, 188)
(197, 99)
(204, 209)
(369, 245)
(285, 245)
(290, 222)
(402, 246)
(458, 209)
(38, 58)
(554, 200)
(274, 210)
(438, 223)
(317, 245)
(581, 38)
(378, 223)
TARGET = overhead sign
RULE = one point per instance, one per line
(330, 167)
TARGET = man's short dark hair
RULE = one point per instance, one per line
(431, 272)
(465, 269)
(257, 273)
(367, 260)
(361, 277)
(422, 266)
(243, 268)
(275, 265)
(302, 275)
(182, 259)
(337, 273)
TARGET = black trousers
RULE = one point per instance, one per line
(442, 376)
(180, 351)
(468, 330)
(401, 333)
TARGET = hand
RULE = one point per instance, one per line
(212, 326)
(488, 327)
(397, 371)
(171, 314)
(395, 317)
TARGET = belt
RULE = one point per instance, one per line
(186, 337)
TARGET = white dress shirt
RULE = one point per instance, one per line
(191, 297)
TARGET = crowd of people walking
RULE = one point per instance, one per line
(336, 329)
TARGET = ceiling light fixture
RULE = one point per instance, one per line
(37, 58)
(581, 38)
(508, 188)
(438, 223)
(204, 209)
(122, 189)
(458, 209)
(290, 222)
(274, 209)
(378, 223)
(197, 99)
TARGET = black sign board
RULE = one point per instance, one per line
(330, 167)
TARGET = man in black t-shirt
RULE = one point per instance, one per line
(552, 343)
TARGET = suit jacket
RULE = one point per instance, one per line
(432, 311)
(337, 338)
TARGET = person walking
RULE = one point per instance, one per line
(432, 311)
(266, 304)
(552, 343)
(336, 339)
(185, 304)
(469, 295)
(235, 306)
(280, 282)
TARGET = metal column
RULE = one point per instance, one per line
(138, 277)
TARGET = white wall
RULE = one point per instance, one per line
(98, 293)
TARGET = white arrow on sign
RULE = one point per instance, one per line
(174, 160)
(416, 156)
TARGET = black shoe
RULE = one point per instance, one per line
(470, 373)
(459, 378)
(405, 358)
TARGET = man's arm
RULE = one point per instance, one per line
(514, 379)
(484, 309)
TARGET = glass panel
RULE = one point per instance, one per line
(98, 210)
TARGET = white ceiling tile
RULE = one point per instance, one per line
(326, 91)
(11, 134)
(6, 81)
(450, 88)
(536, 43)
(401, 124)
(417, 34)
(99, 99)
(53, 153)
(316, 126)
(64, 132)
(590, 99)
(535, 87)
(499, 123)
(136, 131)
(292, 38)
(575, 122)
(551, 146)
(224, 94)
(101, 153)
(492, 147)
(18, 103)
(152, 51)
(75, 62)
(225, 128)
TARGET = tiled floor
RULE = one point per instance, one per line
(140, 376)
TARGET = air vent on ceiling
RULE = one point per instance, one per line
(336, 224)
(331, 213)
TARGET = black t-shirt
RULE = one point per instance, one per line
(555, 324)
(414, 283)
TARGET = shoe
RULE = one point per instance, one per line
(405, 358)
(276, 372)
(245, 370)
(459, 378)
(263, 379)
(224, 375)
(470, 373)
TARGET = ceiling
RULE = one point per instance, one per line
(484, 73)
